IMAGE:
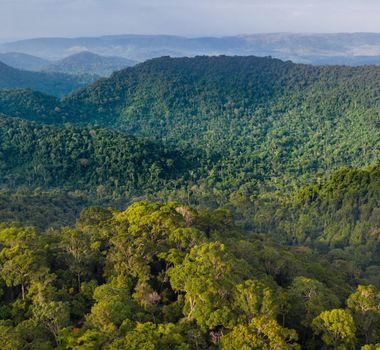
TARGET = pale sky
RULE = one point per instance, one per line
(49, 18)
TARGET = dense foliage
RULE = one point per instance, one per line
(41, 208)
(161, 275)
(29, 104)
(260, 123)
(285, 257)
(91, 159)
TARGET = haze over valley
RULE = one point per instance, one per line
(347, 49)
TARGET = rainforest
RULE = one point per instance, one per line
(212, 202)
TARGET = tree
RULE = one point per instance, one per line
(365, 306)
(254, 299)
(206, 278)
(149, 336)
(260, 333)
(9, 338)
(20, 256)
(113, 306)
(370, 347)
(80, 250)
(308, 298)
(53, 315)
(337, 328)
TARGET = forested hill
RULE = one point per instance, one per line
(30, 105)
(267, 119)
(23, 61)
(175, 89)
(85, 159)
(339, 212)
(262, 123)
(56, 84)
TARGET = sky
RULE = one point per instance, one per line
(69, 18)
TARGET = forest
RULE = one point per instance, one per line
(193, 203)
(56, 84)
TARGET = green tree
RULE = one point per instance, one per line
(337, 328)
(308, 298)
(20, 256)
(206, 278)
(113, 306)
(365, 306)
(150, 336)
(260, 333)
(9, 338)
(254, 299)
(53, 315)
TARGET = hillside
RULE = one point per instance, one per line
(23, 61)
(30, 105)
(88, 63)
(343, 48)
(261, 124)
(338, 212)
(90, 159)
(266, 120)
(51, 83)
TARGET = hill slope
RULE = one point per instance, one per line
(81, 159)
(89, 63)
(263, 118)
(52, 83)
(255, 124)
(30, 105)
(23, 61)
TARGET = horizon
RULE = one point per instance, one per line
(11, 40)
(23, 19)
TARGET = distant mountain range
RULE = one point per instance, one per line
(349, 49)
(89, 63)
(82, 63)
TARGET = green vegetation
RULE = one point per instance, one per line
(260, 124)
(29, 104)
(160, 275)
(84, 159)
(246, 209)
(55, 84)
(42, 209)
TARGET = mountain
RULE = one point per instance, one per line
(87, 63)
(23, 61)
(273, 123)
(268, 120)
(56, 84)
(343, 48)
(349, 60)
